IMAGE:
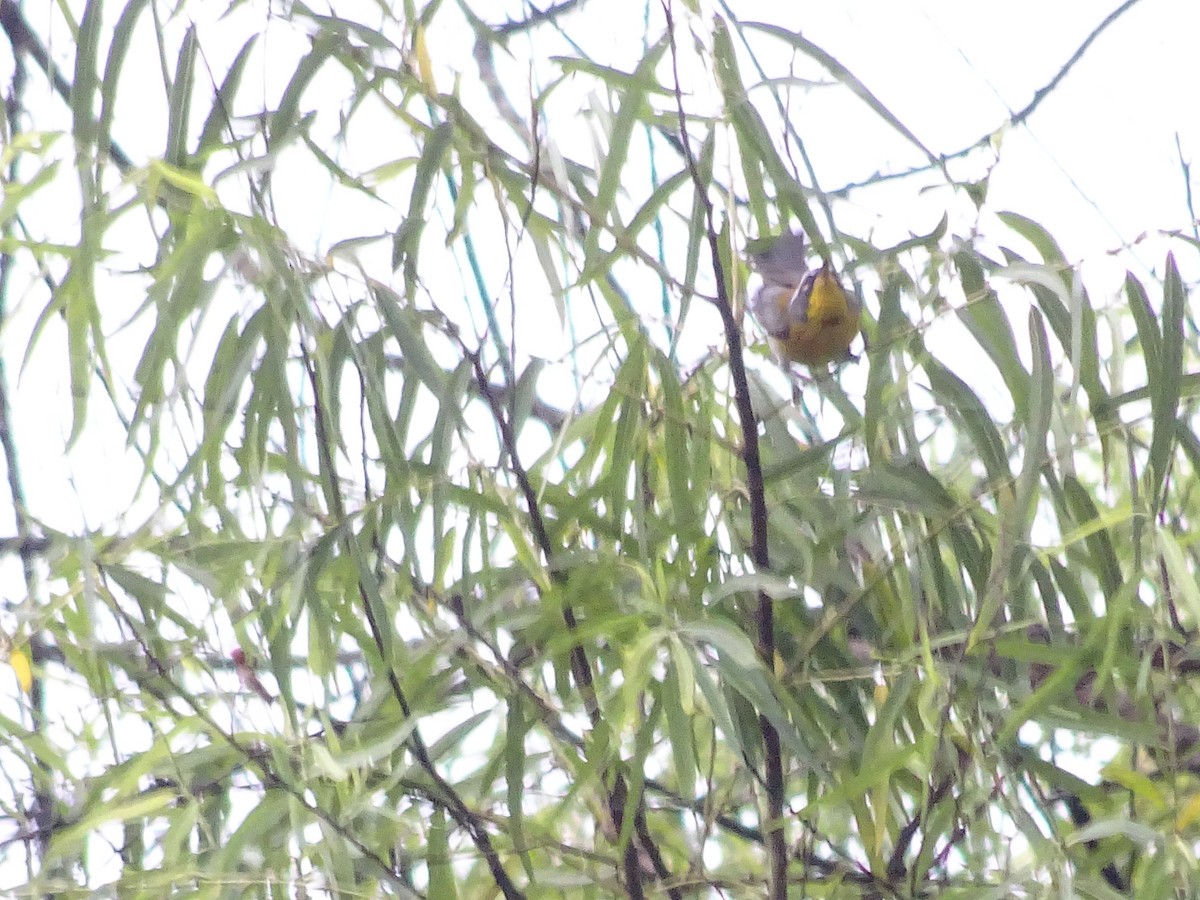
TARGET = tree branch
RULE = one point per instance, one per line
(772, 749)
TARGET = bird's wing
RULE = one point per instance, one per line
(782, 300)
(773, 305)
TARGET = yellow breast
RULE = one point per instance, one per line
(821, 329)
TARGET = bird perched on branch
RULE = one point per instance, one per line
(808, 316)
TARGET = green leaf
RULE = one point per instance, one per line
(1058, 685)
(1102, 553)
(406, 244)
(1183, 579)
(264, 830)
(179, 102)
(985, 318)
(1037, 416)
(631, 112)
(286, 116)
(66, 840)
(84, 84)
(514, 774)
(954, 392)
(218, 118)
(118, 49)
(684, 506)
(1147, 326)
(676, 695)
(1035, 234)
(441, 868)
(1165, 383)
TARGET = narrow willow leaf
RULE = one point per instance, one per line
(465, 205)
(863, 250)
(67, 838)
(85, 81)
(525, 394)
(1146, 321)
(753, 139)
(220, 116)
(80, 312)
(954, 392)
(985, 318)
(424, 63)
(632, 111)
(908, 487)
(677, 695)
(684, 506)
(641, 80)
(118, 48)
(1139, 834)
(1057, 686)
(343, 28)
(1045, 245)
(653, 207)
(264, 830)
(1037, 417)
(233, 362)
(1102, 554)
(514, 775)
(406, 244)
(857, 785)
(877, 411)
(179, 101)
(1165, 383)
(744, 673)
(627, 438)
(1116, 629)
(1183, 579)
(697, 225)
(406, 327)
(286, 116)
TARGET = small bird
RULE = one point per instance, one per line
(808, 316)
(245, 674)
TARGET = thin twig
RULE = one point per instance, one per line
(1015, 119)
(539, 17)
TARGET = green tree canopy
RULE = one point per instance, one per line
(438, 525)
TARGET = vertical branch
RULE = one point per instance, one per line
(43, 806)
(764, 615)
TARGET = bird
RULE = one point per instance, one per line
(808, 316)
(246, 675)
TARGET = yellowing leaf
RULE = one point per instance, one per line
(22, 669)
(881, 693)
(424, 64)
(1189, 814)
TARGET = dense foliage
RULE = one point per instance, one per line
(443, 528)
